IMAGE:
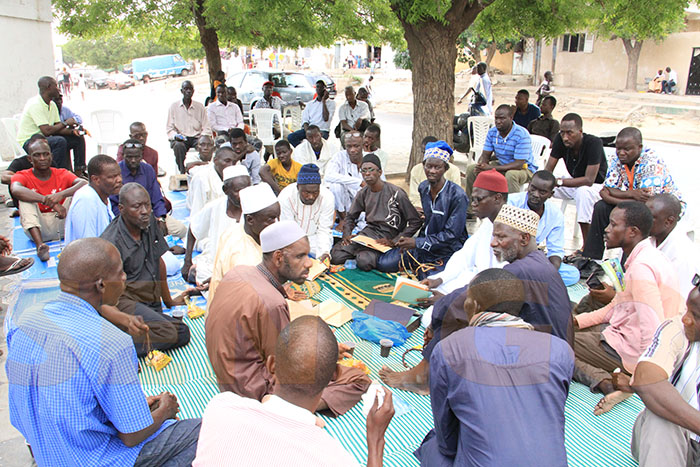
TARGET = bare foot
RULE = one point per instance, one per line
(42, 252)
(177, 250)
(609, 401)
(410, 380)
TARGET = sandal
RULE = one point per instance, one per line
(22, 264)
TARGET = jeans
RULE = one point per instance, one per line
(298, 136)
(175, 446)
(667, 86)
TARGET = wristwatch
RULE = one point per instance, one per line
(560, 182)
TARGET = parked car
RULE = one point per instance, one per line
(160, 66)
(119, 81)
(96, 79)
(291, 87)
(330, 84)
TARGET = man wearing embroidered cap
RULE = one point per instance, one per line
(312, 207)
(444, 230)
(207, 225)
(240, 243)
(248, 313)
(547, 306)
(418, 175)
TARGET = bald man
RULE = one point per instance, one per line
(283, 429)
(85, 405)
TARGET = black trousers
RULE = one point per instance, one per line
(165, 332)
(180, 148)
(60, 148)
(595, 245)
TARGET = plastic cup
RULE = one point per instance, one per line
(386, 344)
(351, 264)
(178, 313)
(351, 348)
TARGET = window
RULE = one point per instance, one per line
(577, 43)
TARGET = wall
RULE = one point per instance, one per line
(503, 62)
(606, 66)
(27, 51)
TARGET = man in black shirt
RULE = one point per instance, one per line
(545, 125)
(585, 161)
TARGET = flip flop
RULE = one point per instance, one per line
(16, 268)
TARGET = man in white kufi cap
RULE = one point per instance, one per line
(208, 224)
(240, 243)
(248, 313)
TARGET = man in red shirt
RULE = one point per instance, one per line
(44, 196)
(137, 130)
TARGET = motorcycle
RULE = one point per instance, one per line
(460, 130)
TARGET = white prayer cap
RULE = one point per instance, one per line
(279, 235)
(256, 198)
(233, 171)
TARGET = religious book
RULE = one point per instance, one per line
(317, 268)
(389, 311)
(370, 243)
(333, 313)
(409, 291)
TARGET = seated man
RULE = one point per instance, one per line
(44, 195)
(137, 130)
(389, 215)
(363, 96)
(550, 230)
(510, 144)
(545, 125)
(418, 176)
(524, 111)
(314, 150)
(205, 151)
(205, 185)
(246, 154)
(283, 426)
(281, 171)
(90, 213)
(635, 174)
(371, 140)
(133, 169)
(65, 113)
(224, 115)
(586, 164)
(672, 240)
(271, 101)
(444, 230)
(232, 96)
(187, 121)
(343, 176)
(40, 115)
(208, 224)
(353, 114)
(312, 207)
(650, 296)
(88, 407)
(494, 405)
(251, 301)
(319, 112)
(240, 243)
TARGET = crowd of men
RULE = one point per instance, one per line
(253, 229)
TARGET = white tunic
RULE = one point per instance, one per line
(316, 220)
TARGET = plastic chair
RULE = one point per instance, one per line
(262, 123)
(292, 117)
(10, 148)
(478, 127)
(108, 129)
(540, 150)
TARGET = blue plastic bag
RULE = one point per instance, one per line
(374, 329)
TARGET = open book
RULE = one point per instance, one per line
(370, 243)
(333, 313)
(317, 268)
(409, 291)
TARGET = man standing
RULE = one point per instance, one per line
(445, 212)
(389, 214)
(492, 404)
(545, 125)
(248, 313)
(133, 169)
(524, 111)
(281, 171)
(371, 140)
(343, 173)
(44, 197)
(482, 71)
(224, 115)
(87, 407)
(510, 144)
(314, 150)
(40, 115)
(550, 229)
(137, 130)
(312, 207)
(669, 84)
(90, 213)
(251, 160)
(635, 174)
(353, 115)
(141, 245)
(205, 185)
(650, 296)
(318, 112)
(586, 164)
(187, 121)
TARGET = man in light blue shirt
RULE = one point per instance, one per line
(90, 213)
(508, 149)
(74, 391)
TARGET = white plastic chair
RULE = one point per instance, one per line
(478, 127)
(540, 150)
(262, 123)
(108, 129)
(292, 118)
(10, 147)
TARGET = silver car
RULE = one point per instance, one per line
(291, 87)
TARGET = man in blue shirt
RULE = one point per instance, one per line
(497, 388)
(74, 392)
(508, 149)
(90, 213)
(444, 230)
(524, 111)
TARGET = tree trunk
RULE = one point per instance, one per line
(209, 40)
(475, 52)
(633, 52)
(490, 52)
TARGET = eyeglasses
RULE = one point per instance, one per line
(696, 280)
(368, 170)
(133, 145)
(479, 199)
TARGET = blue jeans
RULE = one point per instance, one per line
(298, 136)
(174, 447)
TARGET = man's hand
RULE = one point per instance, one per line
(430, 301)
(345, 241)
(378, 419)
(180, 298)
(431, 283)
(167, 402)
(459, 101)
(53, 199)
(70, 122)
(343, 351)
(604, 295)
(60, 211)
(640, 195)
(385, 242)
(480, 167)
(621, 381)
(325, 96)
(135, 326)
(406, 243)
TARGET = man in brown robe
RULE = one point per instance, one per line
(248, 313)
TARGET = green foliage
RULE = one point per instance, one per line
(470, 44)
(639, 19)
(402, 60)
